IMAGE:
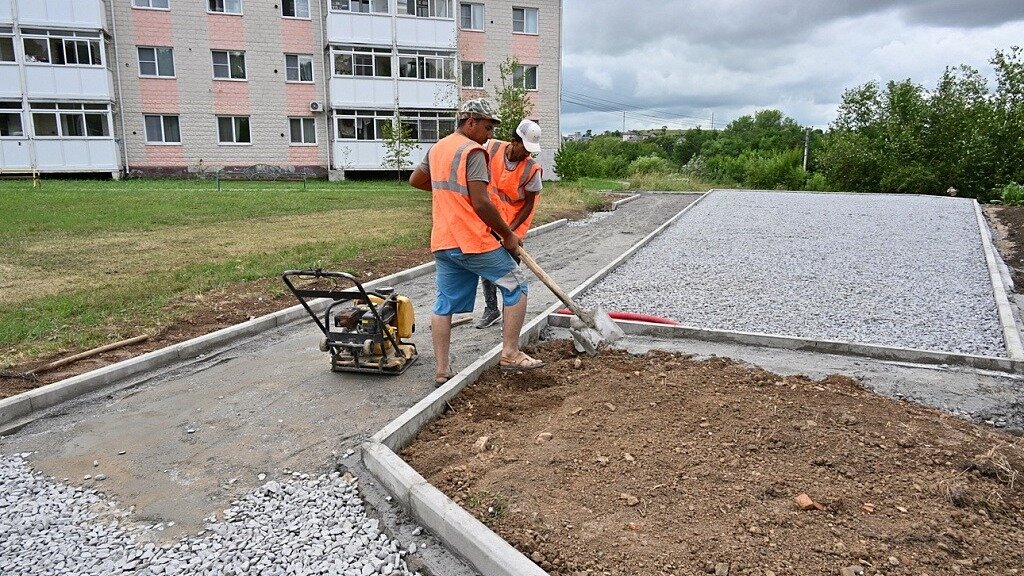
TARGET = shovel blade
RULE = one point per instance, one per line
(595, 329)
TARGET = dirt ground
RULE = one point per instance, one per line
(1008, 224)
(662, 464)
(206, 313)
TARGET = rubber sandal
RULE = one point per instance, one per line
(522, 362)
(442, 380)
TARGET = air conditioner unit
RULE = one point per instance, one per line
(316, 107)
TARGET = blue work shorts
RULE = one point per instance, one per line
(458, 275)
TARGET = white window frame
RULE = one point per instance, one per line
(375, 55)
(148, 4)
(211, 7)
(371, 6)
(519, 76)
(426, 125)
(162, 141)
(443, 61)
(295, 8)
(228, 54)
(93, 42)
(235, 124)
(526, 21)
(304, 130)
(299, 58)
(8, 34)
(361, 120)
(67, 109)
(476, 81)
(19, 111)
(156, 62)
(433, 8)
(475, 10)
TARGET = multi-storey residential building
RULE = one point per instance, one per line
(56, 88)
(306, 85)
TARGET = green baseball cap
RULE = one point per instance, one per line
(478, 108)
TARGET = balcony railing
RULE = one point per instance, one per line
(369, 155)
(88, 14)
(361, 92)
(68, 82)
(359, 28)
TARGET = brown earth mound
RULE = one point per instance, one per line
(660, 464)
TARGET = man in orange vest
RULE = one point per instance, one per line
(515, 184)
(455, 170)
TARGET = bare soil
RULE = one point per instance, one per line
(663, 464)
(1008, 224)
(206, 313)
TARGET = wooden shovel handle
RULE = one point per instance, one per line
(549, 282)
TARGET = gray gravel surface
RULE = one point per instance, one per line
(904, 271)
(302, 525)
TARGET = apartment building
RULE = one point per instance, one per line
(56, 88)
(192, 86)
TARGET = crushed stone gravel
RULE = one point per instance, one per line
(303, 525)
(903, 271)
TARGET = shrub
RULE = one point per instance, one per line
(1012, 194)
(649, 165)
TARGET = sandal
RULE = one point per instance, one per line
(442, 380)
(522, 361)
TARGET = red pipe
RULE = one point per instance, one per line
(634, 316)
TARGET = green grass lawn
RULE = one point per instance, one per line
(87, 262)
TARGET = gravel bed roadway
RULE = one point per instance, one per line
(179, 447)
(902, 271)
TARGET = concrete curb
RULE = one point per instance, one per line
(844, 348)
(617, 203)
(20, 409)
(459, 530)
(1011, 334)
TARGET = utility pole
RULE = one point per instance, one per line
(623, 122)
(807, 140)
(712, 120)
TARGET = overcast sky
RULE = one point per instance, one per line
(677, 62)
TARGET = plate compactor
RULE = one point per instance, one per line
(363, 330)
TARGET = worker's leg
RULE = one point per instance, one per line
(491, 313)
(456, 293)
(515, 315)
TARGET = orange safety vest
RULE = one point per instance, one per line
(508, 188)
(456, 224)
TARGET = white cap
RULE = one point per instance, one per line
(529, 131)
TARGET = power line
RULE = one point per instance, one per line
(639, 116)
(623, 105)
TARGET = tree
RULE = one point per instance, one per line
(513, 100)
(398, 146)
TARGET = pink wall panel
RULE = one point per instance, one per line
(305, 155)
(230, 97)
(299, 96)
(152, 28)
(297, 36)
(162, 156)
(226, 32)
(526, 48)
(472, 47)
(159, 95)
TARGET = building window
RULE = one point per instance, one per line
(233, 130)
(6, 49)
(62, 48)
(159, 4)
(472, 74)
(303, 130)
(471, 16)
(525, 77)
(10, 120)
(162, 129)
(361, 124)
(298, 67)
(354, 61)
(524, 20)
(295, 8)
(156, 61)
(226, 6)
(367, 6)
(229, 65)
(426, 8)
(427, 125)
(426, 65)
(53, 120)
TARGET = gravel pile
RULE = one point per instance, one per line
(301, 526)
(905, 271)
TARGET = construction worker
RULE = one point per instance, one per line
(455, 170)
(515, 184)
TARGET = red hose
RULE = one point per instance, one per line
(635, 317)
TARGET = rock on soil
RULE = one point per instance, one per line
(718, 453)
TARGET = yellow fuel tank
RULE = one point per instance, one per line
(405, 317)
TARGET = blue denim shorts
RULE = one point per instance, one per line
(458, 275)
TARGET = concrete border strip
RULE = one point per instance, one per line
(617, 203)
(1011, 335)
(458, 529)
(22, 407)
(846, 348)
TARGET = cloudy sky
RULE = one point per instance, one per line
(678, 62)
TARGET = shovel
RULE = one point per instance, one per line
(597, 327)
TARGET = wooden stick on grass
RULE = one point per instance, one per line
(87, 354)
